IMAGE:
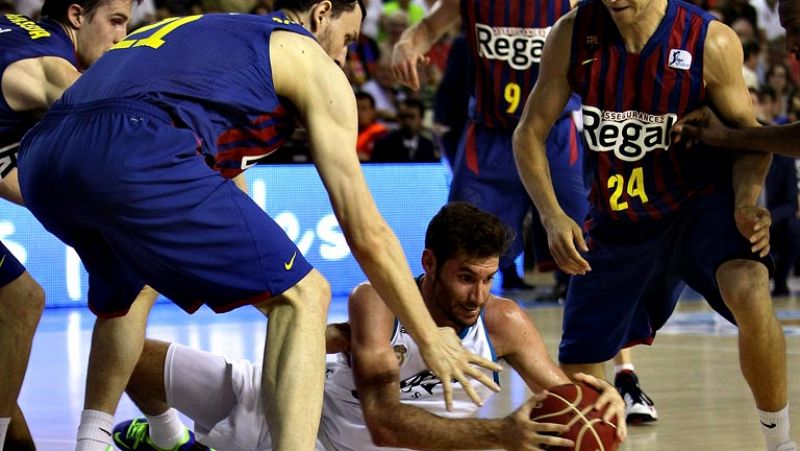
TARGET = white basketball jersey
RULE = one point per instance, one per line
(343, 426)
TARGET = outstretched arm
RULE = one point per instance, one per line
(417, 40)
(392, 423)
(326, 102)
(704, 125)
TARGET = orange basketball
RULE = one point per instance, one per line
(571, 405)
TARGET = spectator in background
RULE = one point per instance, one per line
(752, 72)
(369, 129)
(768, 108)
(406, 144)
(371, 24)
(143, 13)
(781, 198)
(393, 24)
(735, 9)
(794, 106)
(414, 12)
(769, 24)
(382, 88)
(263, 7)
(744, 29)
(362, 60)
(779, 80)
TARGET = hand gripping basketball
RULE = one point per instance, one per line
(572, 405)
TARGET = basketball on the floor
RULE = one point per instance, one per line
(571, 405)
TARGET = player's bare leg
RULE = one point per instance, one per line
(146, 385)
(294, 362)
(21, 305)
(116, 347)
(19, 436)
(744, 285)
(597, 370)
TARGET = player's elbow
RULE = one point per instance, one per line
(523, 141)
(368, 240)
(380, 428)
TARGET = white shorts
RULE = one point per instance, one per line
(222, 396)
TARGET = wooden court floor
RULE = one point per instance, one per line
(691, 372)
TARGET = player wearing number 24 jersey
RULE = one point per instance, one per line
(662, 216)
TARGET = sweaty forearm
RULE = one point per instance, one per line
(749, 171)
(534, 170)
(383, 261)
(780, 139)
(405, 426)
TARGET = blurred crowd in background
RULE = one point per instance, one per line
(400, 125)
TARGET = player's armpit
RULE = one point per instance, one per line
(34, 84)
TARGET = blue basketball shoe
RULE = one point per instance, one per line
(135, 435)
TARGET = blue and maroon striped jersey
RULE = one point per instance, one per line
(22, 38)
(211, 73)
(506, 38)
(630, 102)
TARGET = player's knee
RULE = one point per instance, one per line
(744, 285)
(33, 299)
(313, 290)
(22, 302)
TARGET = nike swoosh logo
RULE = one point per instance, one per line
(109, 434)
(118, 441)
(768, 426)
(288, 265)
(585, 62)
(2, 259)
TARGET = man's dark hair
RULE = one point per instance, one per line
(57, 9)
(749, 48)
(365, 95)
(460, 227)
(415, 103)
(339, 6)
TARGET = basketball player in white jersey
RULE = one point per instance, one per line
(378, 392)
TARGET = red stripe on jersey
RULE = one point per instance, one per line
(470, 149)
(601, 183)
(573, 143)
(242, 134)
(631, 67)
(612, 74)
(670, 201)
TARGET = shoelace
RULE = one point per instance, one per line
(632, 388)
(138, 432)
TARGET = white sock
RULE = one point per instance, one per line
(166, 430)
(94, 432)
(624, 367)
(3, 430)
(775, 427)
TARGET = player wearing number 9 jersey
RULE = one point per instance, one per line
(132, 168)
(505, 38)
(661, 215)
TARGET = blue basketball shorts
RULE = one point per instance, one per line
(10, 267)
(135, 198)
(485, 174)
(634, 285)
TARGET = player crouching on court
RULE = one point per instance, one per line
(379, 393)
